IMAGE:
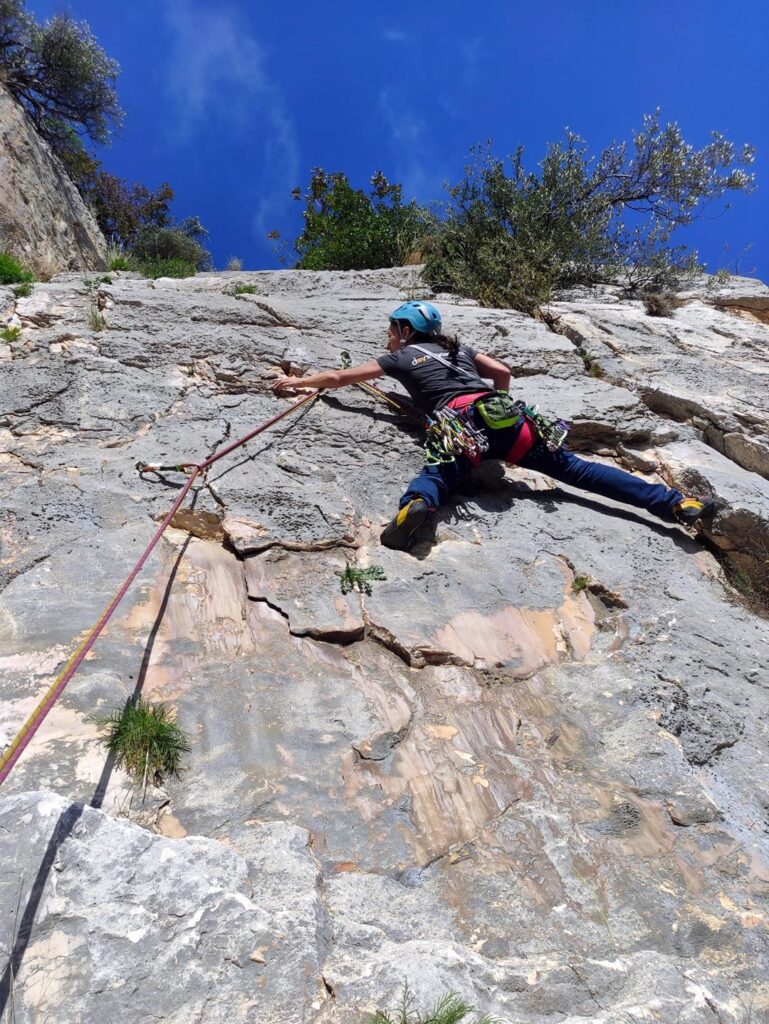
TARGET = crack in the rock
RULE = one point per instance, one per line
(338, 637)
(385, 638)
(279, 319)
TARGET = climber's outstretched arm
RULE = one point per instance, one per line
(329, 379)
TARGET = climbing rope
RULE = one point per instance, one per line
(14, 751)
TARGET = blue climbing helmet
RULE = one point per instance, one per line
(423, 316)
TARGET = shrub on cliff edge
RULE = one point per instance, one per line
(509, 236)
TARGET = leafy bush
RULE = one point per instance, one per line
(10, 334)
(166, 268)
(449, 1009)
(172, 251)
(59, 74)
(23, 290)
(346, 229)
(509, 236)
(12, 272)
(144, 740)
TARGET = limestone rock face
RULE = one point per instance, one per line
(529, 767)
(43, 220)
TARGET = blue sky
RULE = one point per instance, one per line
(233, 104)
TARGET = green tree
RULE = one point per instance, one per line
(509, 236)
(347, 229)
(60, 75)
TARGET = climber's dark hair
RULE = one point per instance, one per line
(447, 341)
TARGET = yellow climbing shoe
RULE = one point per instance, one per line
(690, 510)
(399, 531)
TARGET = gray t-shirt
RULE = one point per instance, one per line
(430, 383)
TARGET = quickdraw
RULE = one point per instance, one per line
(448, 434)
(551, 432)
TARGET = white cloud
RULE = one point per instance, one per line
(416, 168)
(394, 35)
(217, 69)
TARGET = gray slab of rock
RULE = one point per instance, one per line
(742, 521)
(163, 918)
(306, 589)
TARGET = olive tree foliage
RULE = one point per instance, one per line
(348, 229)
(509, 236)
(60, 75)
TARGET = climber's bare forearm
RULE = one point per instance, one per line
(329, 379)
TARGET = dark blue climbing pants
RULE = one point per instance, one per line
(436, 483)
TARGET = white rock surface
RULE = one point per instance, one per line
(530, 767)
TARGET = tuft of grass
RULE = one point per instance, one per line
(449, 1009)
(10, 334)
(120, 263)
(174, 267)
(360, 579)
(591, 364)
(118, 258)
(244, 289)
(660, 303)
(234, 263)
(23, 290)
(144, 740)
(12, 272)
(750, 578)
(580, 583)
(96, 319)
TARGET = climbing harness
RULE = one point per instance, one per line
(14, 751)
(448, 433)
(498, 410)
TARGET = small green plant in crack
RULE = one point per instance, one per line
(144, 740)
(449, 1009)
(240, 289)
(10, 334)
(580, 583)
(591, 364)
(23, 290)
(360, 579)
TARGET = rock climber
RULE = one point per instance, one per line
(469, 421)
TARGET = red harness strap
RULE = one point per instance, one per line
(523, 442)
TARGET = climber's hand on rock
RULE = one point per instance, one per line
(287, 386)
